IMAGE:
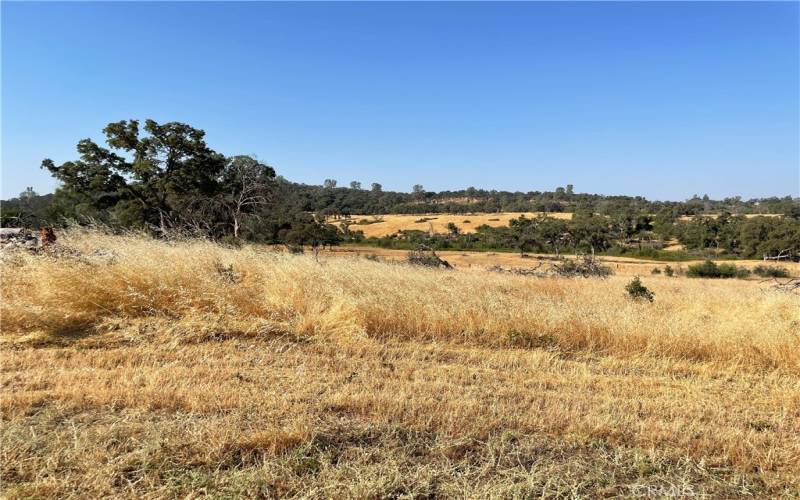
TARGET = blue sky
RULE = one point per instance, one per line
(663, 100)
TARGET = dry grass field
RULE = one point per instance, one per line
(137, 368)
(385, 225)
(622, 266)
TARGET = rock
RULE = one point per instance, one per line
(10, 232)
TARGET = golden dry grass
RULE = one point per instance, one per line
(437, 223)
(157, 369)
(468, 223)
(622, 266)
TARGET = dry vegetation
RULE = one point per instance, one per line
(152, 369)
(385, 225)
(622, 266)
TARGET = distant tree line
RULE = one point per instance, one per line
(161, 177)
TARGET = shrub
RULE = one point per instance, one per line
(668, 270)
(771, 271)
(637, 291)
(709, 269)
(230, 241)
(655, 271)
(424, 256)
(587, 268)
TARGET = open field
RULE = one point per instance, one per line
(137, 368)
(623, 266)
(436, 223)
(385, 225)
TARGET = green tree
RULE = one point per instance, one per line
(453, 229)
(144, 178)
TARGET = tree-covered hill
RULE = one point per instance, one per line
(164, 177)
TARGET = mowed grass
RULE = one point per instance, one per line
(385, 225)
(163, 369)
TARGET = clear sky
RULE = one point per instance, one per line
(660, 99)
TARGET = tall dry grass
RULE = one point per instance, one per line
(204, 289)
(145, 369)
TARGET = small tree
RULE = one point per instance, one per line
(355, 185)
(246, 184)
(28, 194)
(637, 291)
(329, 183)
(376, 188)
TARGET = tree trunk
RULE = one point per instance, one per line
(162, 223)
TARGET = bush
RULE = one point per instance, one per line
(229, 241)
(424, 256)
(655, 271)
(367, 222)
(586, 268)
(771, 271)
(709, 269)
(637, 291)
(668, 270)
(295, 249)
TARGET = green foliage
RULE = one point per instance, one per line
(148, 179)
(771, 271)
(309, 232)
(709, 269)
(637, 291)
(754, 237)
(164, 175)
(668, 271)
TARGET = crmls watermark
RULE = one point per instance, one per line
(664, 491)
